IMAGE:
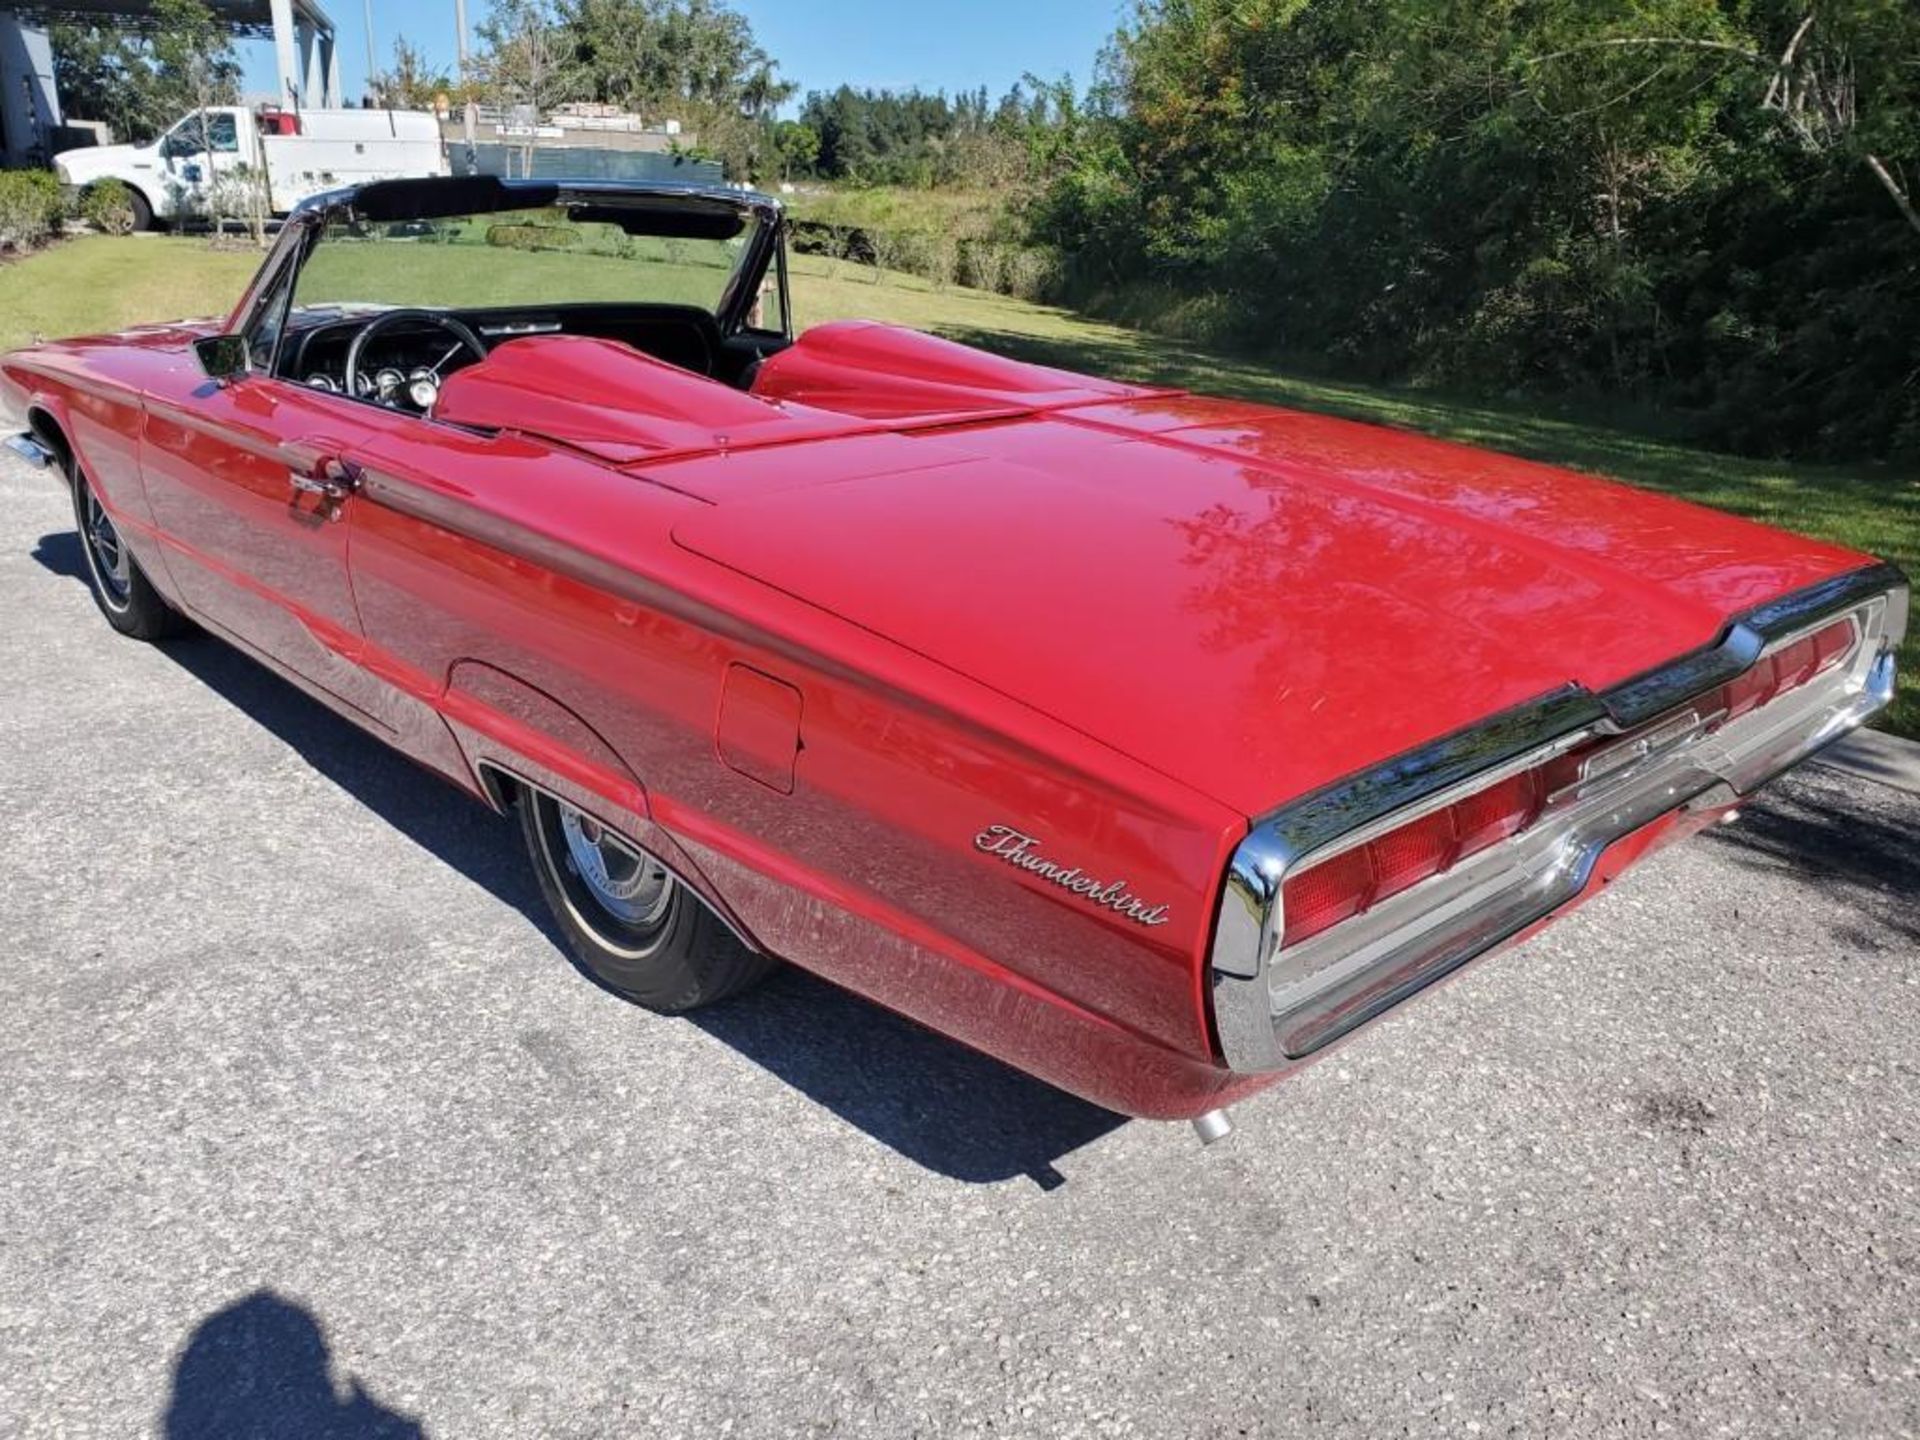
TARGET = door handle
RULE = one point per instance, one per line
(313, 471)
(336, 482)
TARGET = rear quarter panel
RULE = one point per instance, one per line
(564, 576)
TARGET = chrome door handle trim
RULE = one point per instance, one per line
(332, 479)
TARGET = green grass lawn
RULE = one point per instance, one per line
(95, 283)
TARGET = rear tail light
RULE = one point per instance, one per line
(1501, 810)
(1789, 666)
(1403, 858)
(1327, 893)
(1351, 881)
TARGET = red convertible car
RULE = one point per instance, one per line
(1151, 743)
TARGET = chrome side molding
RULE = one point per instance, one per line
(1272, 1009)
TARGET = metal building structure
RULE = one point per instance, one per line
(305, 51)
(29, 105)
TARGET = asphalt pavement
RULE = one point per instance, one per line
(310, 1130)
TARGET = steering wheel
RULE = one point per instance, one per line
(422, 384)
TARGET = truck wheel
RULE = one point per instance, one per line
(142, 211)
(120, 587)
(633, 926)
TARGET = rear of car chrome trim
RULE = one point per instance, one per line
(1736, 760)
(30, 448)
(1640, 699)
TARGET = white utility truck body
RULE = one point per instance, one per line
(202, 156)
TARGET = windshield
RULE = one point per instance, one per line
(556, 255)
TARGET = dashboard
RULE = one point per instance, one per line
(420, 354)
(316, 354)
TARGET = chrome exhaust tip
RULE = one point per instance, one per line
(1212, 1126)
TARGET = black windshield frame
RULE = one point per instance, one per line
(391, 201)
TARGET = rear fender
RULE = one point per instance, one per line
(515, 735)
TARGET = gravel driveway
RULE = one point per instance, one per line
(309, 1130)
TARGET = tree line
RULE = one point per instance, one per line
(925, 140)
(695, 61)
(691, 60)
(1703, 206)
(1699, 207)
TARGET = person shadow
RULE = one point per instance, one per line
(260, 1369)
(941, 1105)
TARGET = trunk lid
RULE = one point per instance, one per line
(1252, 601)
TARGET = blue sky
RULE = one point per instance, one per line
(819, 43)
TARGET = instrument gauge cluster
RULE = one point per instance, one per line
(405, 370)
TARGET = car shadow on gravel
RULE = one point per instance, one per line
(1815, 827)
(941, 1105)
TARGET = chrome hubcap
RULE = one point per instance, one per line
(633, 888)
(110, 559)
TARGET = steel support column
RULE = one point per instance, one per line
(286, 52)
(313, 88)
(333, 100)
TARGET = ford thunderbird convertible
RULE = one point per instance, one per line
(1154, 744)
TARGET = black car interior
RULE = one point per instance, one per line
(404, 357)
(314, 351)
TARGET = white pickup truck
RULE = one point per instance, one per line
(202, 156)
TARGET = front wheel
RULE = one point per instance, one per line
(633, 926)
(120, 587)
(142, 212)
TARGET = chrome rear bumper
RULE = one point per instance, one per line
(1275, 1006)
(30, 448)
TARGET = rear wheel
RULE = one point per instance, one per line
(633, 926)
(120, 587)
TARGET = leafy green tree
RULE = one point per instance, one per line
(694, 61)
(1702, 206)
(798, 145)
(909, 137)
(527, 57)
(410, 83)
(141, 81)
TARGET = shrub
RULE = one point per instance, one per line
(985, 265)
(1032, 273)
(930, 255)
(107, 205)
(532, 237)
(1204, 318)
(30, 207)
